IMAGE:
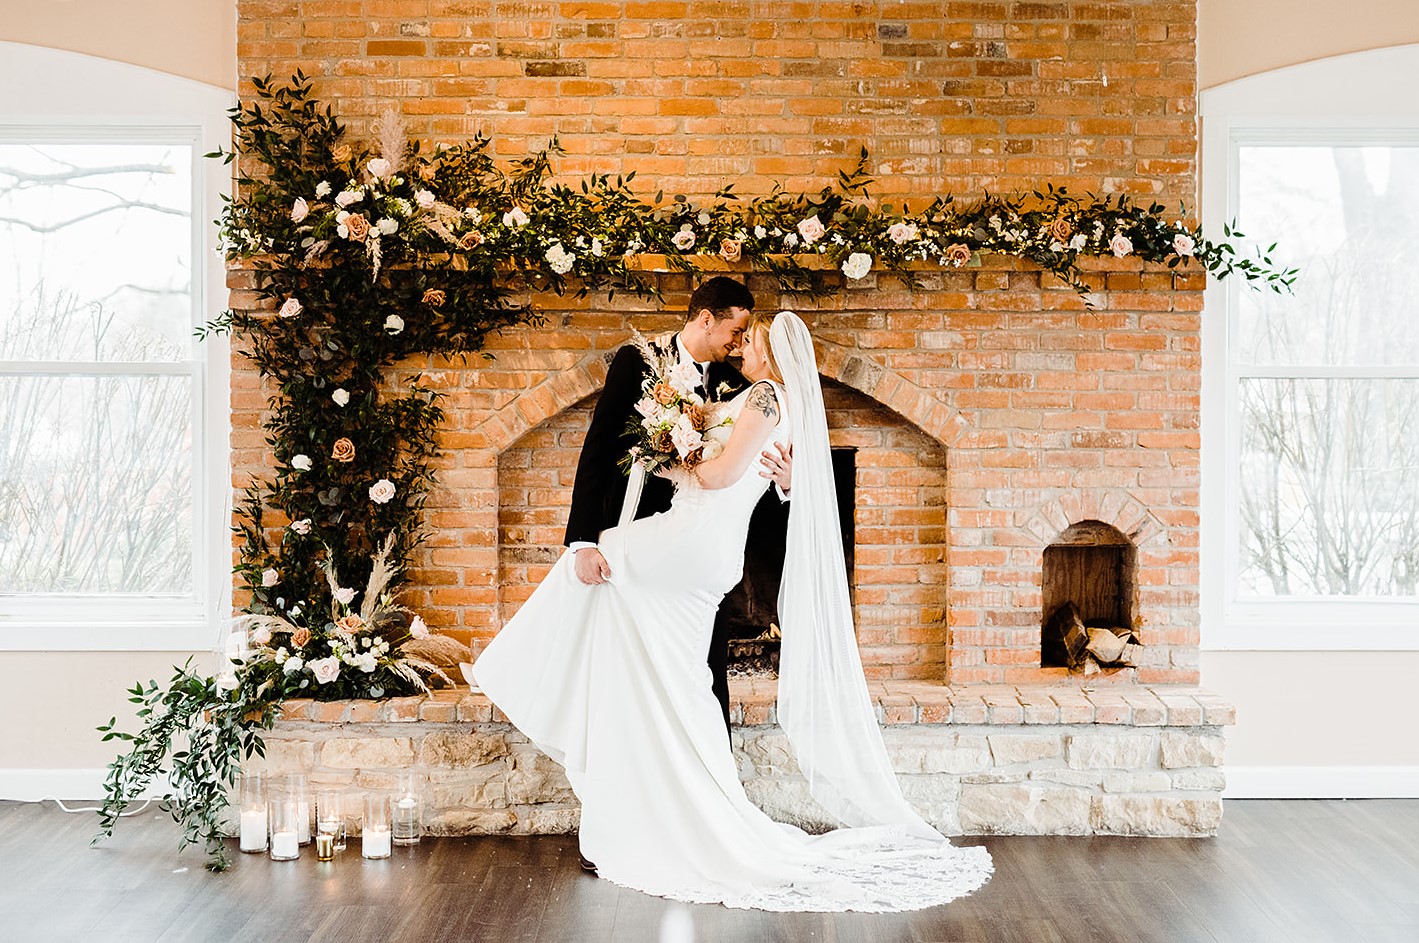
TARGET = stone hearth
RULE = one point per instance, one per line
(975, 759)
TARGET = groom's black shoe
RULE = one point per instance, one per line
(586, 864)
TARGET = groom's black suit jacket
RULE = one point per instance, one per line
(600, 486)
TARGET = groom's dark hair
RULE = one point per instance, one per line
(719, 294)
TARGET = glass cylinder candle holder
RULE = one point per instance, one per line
(251, 807)
(408, 809)
(298, 789)
(330, 818)
(375, 837)
(285, 839)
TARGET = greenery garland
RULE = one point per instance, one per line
(366, 253)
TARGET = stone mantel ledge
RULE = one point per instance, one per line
(752, 703)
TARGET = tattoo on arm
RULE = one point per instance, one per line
(762, 398)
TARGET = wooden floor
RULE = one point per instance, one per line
(1328, 872)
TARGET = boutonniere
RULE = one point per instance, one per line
(723, 389)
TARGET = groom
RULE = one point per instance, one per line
(718, 313)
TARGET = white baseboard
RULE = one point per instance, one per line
(1322, 782)
(30, 785)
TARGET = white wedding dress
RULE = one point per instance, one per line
(612, 682)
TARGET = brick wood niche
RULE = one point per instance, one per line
(992, 412)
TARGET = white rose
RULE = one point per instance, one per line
(379, 168)
(685, 437)
(902, 232)
(791, 239)
(270, 578)
(1078, 242)
(347, 197)
(261, 635)
(301, 463)
(684, 376)
(425, 199)
(367, 662)
(387, 226)
(1120, 245)
(290, 308)
(760, 232)
(515, 217)
(301, 527)
(344, 596)
(322, 189)
(341, 397)
(293, 664)
(394, 324)
(299, 210)
(1183, 244)
(418, 629)
(381, 491)
(683, 239)
(857, 265)
(811, 229)
(560, 259)
(325, 670)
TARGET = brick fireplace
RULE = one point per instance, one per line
(993, 414)
(990, 415)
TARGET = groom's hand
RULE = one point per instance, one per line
(778, 466)
(591, 567)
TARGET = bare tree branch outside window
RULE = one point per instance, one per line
(1329, 476)
(96, 490)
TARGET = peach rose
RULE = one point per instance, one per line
(1060, 229)
(958, 254)
(664, 394)
(663, 442)
(434, 297)
(344, 450)
(694, 458)
(428, 172)
(357, 226)
(696, 415)
(351, 623)
(471, 240)
(731, 249)
(340, 153)
(300, 637)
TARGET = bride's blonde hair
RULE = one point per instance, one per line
(759, 325)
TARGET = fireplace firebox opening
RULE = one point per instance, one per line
(1089, 587)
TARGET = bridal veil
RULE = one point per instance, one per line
(823, 703)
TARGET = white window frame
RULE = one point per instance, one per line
(1362, 98)
(55, 96)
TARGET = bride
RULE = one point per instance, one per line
(611, 681)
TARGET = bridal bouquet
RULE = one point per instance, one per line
(677, 429)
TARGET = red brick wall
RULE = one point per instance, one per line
(958, 96)
(1043, 413)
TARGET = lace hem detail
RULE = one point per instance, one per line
(891, 878)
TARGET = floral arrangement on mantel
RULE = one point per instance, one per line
(366, 253)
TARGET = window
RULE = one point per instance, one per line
(1311, 401)
(113, 430)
